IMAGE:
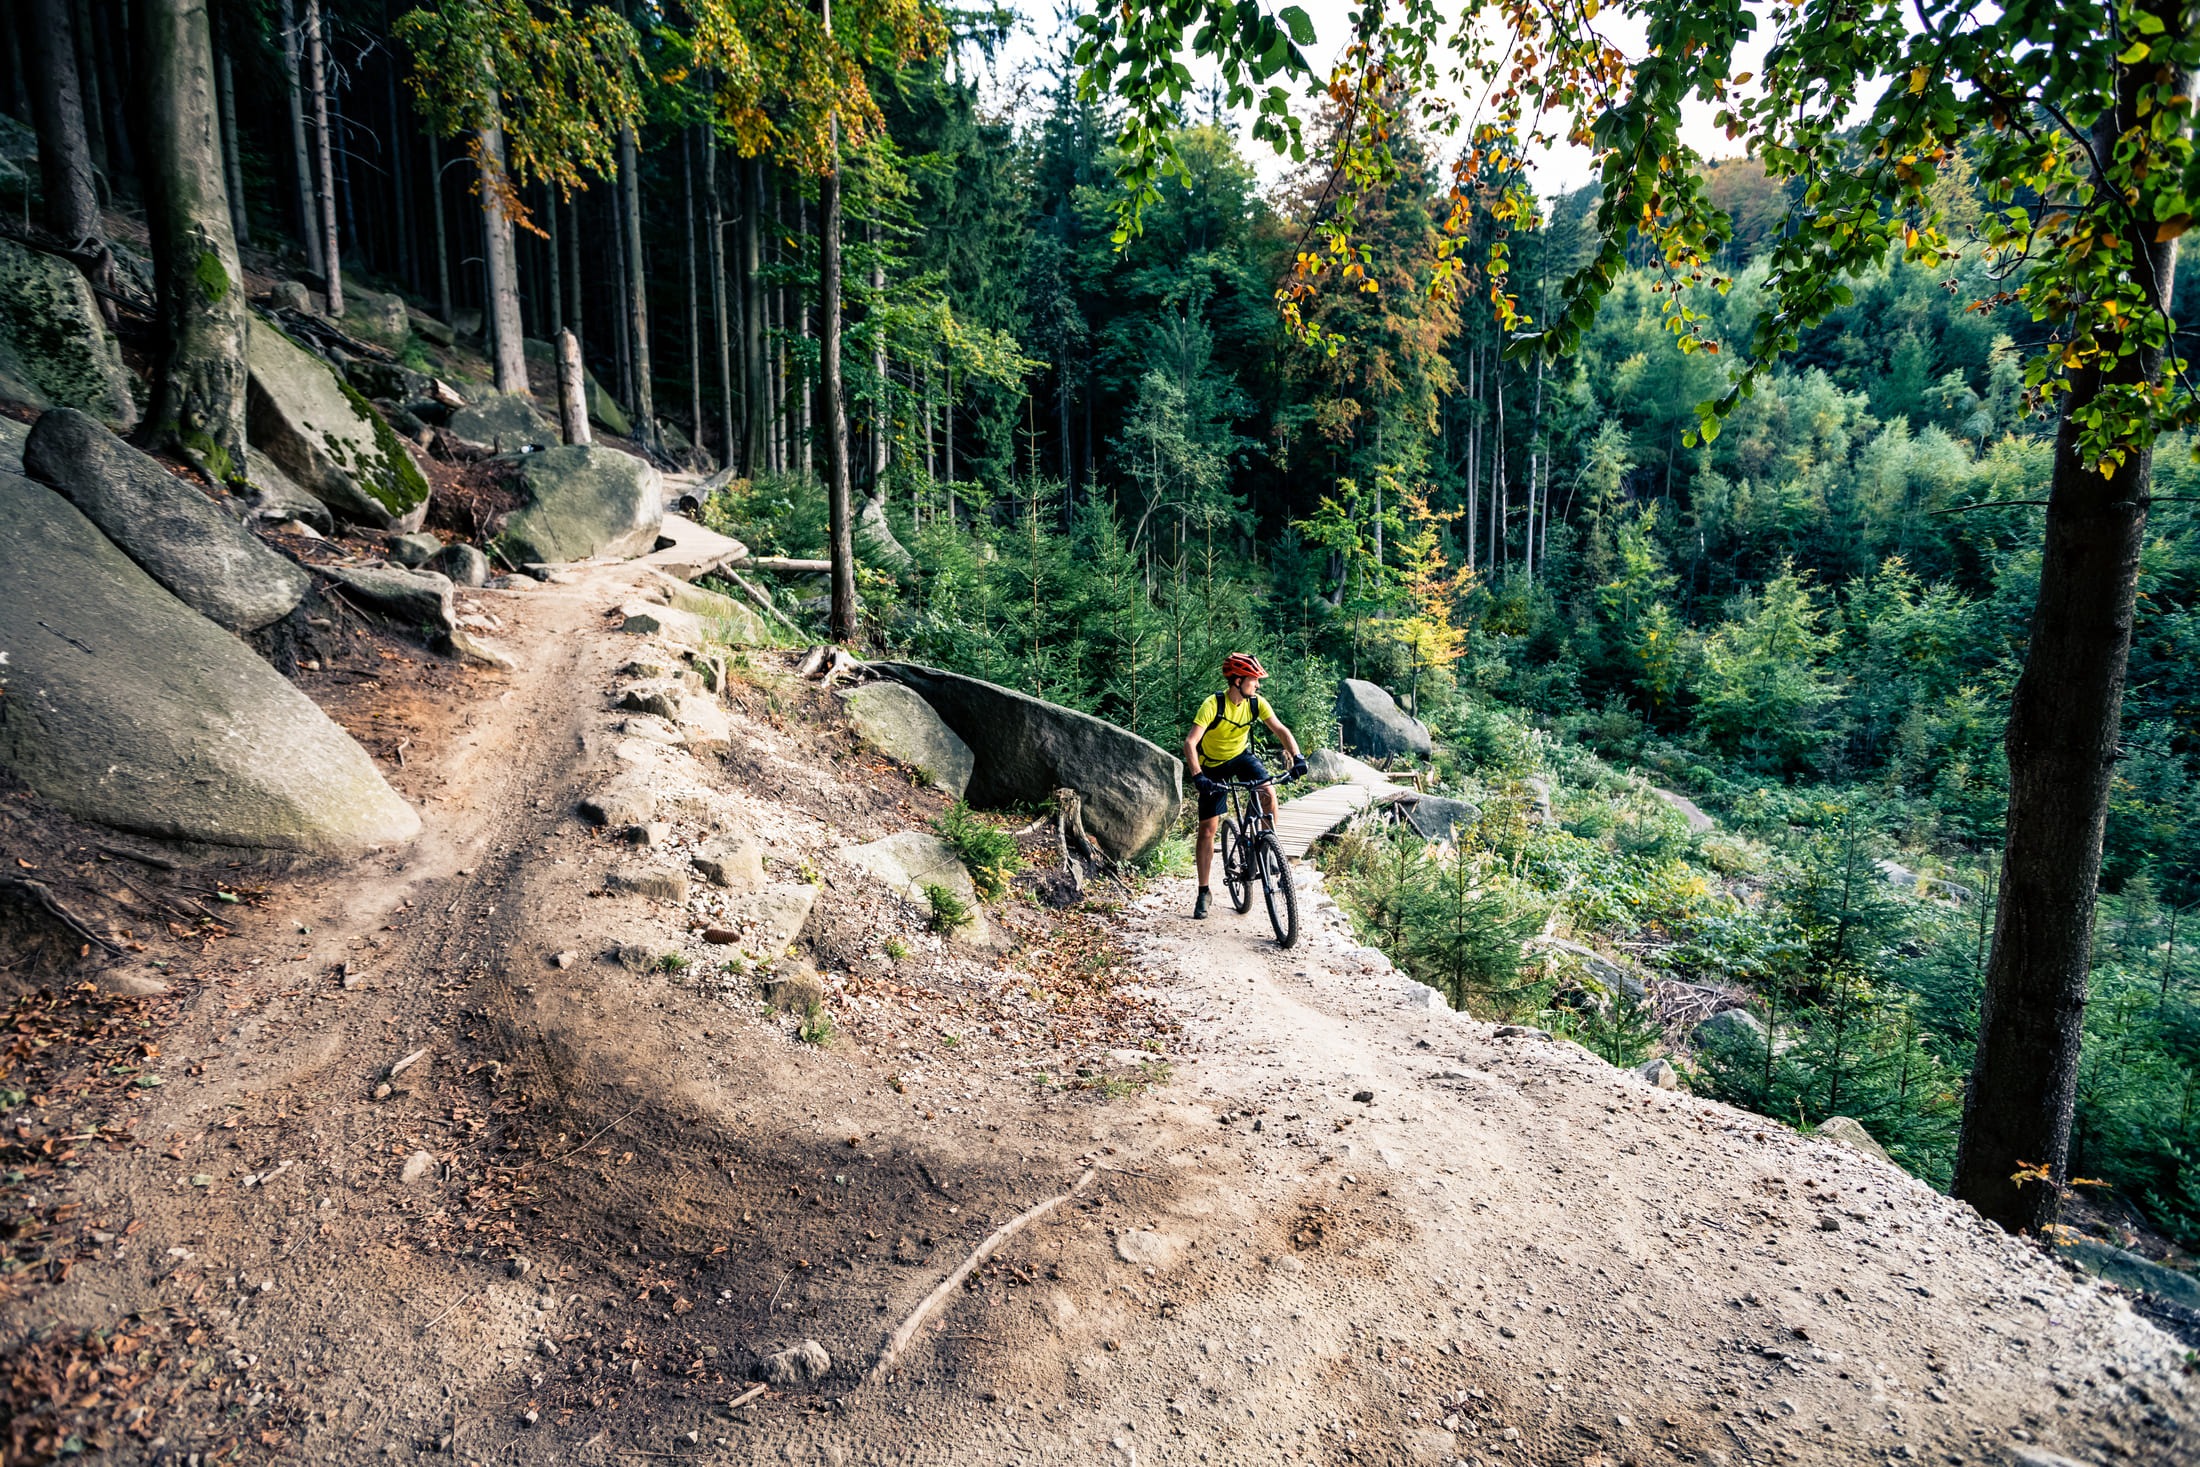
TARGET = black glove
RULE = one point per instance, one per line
(1205, 784)
(1298, 766)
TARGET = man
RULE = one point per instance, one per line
(1219, 748)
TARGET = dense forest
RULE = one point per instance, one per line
(1101, 463)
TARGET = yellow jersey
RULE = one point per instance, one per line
(1227, 735)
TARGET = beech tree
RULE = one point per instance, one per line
(793, 88)
(2077, 121)
(541, 95)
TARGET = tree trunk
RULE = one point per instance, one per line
(444, 307)
(401, 169)
(882, 411)
(95, 113)
(573, 271)
(70, 202)
(805, 403)
(756, 450)
(500, 313)
(2064, 722)
(111, 41)
(309, 217)
(831, 404)
(637, 290)
(232, 160)
(623, 299)
(198, 388)
(557, 261)
(331, 256)
(572, 390)
(694, 292)
(715, 262)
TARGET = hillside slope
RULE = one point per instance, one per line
(614, 1186)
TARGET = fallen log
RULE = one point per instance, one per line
(780, 563)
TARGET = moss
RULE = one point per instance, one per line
(215, 457)
(411, 487)
(213, 279)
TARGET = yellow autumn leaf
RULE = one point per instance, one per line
(1917, 80)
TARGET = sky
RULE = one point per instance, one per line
(1019, 71)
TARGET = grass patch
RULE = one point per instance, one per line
(988, 852)
(895, 948)
(817, 1026)
(673, 963)
(1172, 857)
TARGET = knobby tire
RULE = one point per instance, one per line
(1237, 868)
(1276, 889)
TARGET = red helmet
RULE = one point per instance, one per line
(1242, 664)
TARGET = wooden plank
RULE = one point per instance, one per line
(1303, 821)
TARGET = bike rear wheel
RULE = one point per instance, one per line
(1277, 890)
(1237, 867)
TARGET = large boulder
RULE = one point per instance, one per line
(1434, 817)
(1730, 1029)
(328, 438)
(502, 422)
(211, 563)
(275, 496)
(421, 599)
(875, 540)
(1026, 748)
(583, 502)
(1848, 1131)
(13, 436)
(903, 726)
(1373, 724)
(54, 343)
(376, 316)
(123, 705)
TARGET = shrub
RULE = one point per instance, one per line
(948, 911)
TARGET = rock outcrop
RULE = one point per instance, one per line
(124, 706)
(13, 436)
(327, 437)
(1026, 748)
(1373, 724)
(275, 496)
(1433, 817)
(909, 861)
(876, 542)
(583, 502)
(421, 600)
(1327, 766)
(901, 725)
(501, 423)
(176, 534)
(1849, 1131)
(54, 343)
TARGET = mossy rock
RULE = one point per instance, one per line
(329, 439)
(55, 348)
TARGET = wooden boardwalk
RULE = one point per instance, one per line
(1305, 820)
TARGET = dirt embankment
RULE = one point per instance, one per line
(1306, 1219)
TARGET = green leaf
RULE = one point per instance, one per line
(1302, 29)
(2137, 52)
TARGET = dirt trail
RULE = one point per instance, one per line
(636, 1185)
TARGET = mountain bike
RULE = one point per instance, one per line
(1251, 853)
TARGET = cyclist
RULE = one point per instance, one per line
(1219, 748)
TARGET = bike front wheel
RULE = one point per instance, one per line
(1237, 868)
(1277, 890)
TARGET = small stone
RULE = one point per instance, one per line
(664, 702)
(413, 550)
(517, 1266)
(732, 859)
(618, 806)
(1829, 1225)
(464, 646)
(649, 833)
(565, 959)
(663, 886)
(548, 1347)
(1145, 1248)
(465, 565)
(634, 957)
(529, 1418)
(1660, 1074)
(797, 1366)
(1364, 1097)
(418, 1167)
(382, 1091)
(201, 1179)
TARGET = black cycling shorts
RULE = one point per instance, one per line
(1246, 766)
